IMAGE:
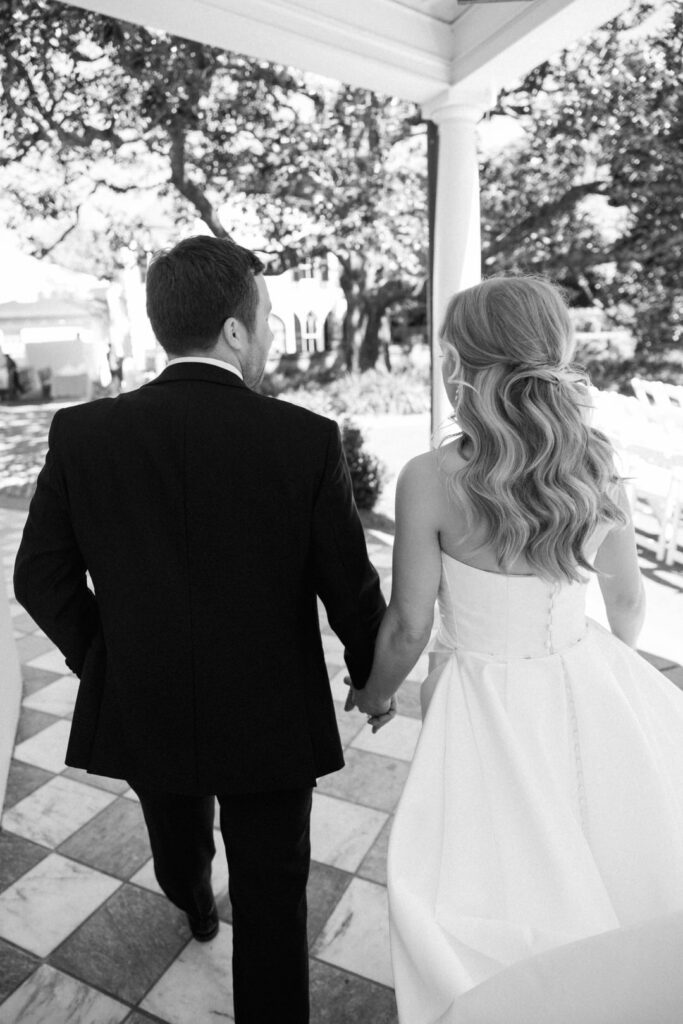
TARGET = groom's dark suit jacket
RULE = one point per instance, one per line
(208, 518)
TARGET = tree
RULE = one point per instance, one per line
(94, 105)
(592, 194)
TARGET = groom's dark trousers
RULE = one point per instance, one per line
(208, 520)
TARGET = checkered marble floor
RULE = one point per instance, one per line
(86, 937)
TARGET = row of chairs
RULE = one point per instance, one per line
(650, 449)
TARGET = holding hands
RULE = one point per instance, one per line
(378, 712)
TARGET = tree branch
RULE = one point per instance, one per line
(188, 188)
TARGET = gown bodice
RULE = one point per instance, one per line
(505, 616)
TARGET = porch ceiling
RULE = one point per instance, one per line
(419, 50)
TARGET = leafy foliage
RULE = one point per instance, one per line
(367, 473)
(151, 131)
(592, 194)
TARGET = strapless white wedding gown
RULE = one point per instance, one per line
(535, 867)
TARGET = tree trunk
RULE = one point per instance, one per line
(376, 305)
(351, 281)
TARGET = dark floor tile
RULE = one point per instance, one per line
(98, 781)
(408, 699)
(126, 945)
(17, 856)
(15, 967)
(326, 886)
(349, 723)
(338, 997)
(32, 722)
(657, 660)
(22, 780)
(114, 841)
(36, 678)
(368, 779)
(675, 676)
(138, 1017)
(374, 864)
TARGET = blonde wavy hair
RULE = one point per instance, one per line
(539, 475)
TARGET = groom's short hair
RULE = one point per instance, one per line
(194, 287)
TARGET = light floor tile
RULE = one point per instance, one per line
(42, 907)
(219, 871)
(197, 986)
(50, 997)
(396, 739)
(356, 936)
(47, 748)
(339, 688)
(52, 661)
(56, 698)
(130, 794)
(52, 813)
(342, 832)
(332, 645)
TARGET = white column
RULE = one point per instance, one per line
(457, 234)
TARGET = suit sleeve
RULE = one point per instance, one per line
(346, 581)
(50, 573)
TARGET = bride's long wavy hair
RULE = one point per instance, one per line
(539, 475)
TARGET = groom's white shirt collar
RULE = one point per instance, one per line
(206, 359)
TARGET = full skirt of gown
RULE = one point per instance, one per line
(537, 850)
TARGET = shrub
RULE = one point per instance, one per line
(374, 392)
(367, 472)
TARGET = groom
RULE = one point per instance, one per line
(209, 519)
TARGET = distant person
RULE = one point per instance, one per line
(210, 519)
(115, 362)
(535, 868)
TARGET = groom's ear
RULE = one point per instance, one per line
(234, 334)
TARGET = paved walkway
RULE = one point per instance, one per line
(85, 935)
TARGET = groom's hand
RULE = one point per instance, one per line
(378, 715)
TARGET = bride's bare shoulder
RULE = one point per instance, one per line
(425, 477)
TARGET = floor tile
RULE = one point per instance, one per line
(50, 997)
(332, 645)
(342, 832)
(117, 786)
(374, 864)
(52, 661)
(15, 967)
(32, 722)
(22, 780)
(675, 675)
(219, 870)
(137, 1017)
(56, 698)
(23, 621)
(127, 944)
(356, 936)
(326, 886)
(368, 779)
(656, 660)
(35, 678)
(114, 841)
(47, 749)
(30, 647)
(197, 986)
(55, 811)
(397, 739)
(17, 856)
(338, 686)
(338, 997)
(408, 699)
(42, 907)
(348, 723)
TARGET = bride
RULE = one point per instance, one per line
(535, 867)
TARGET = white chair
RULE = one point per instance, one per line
(655, 476)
